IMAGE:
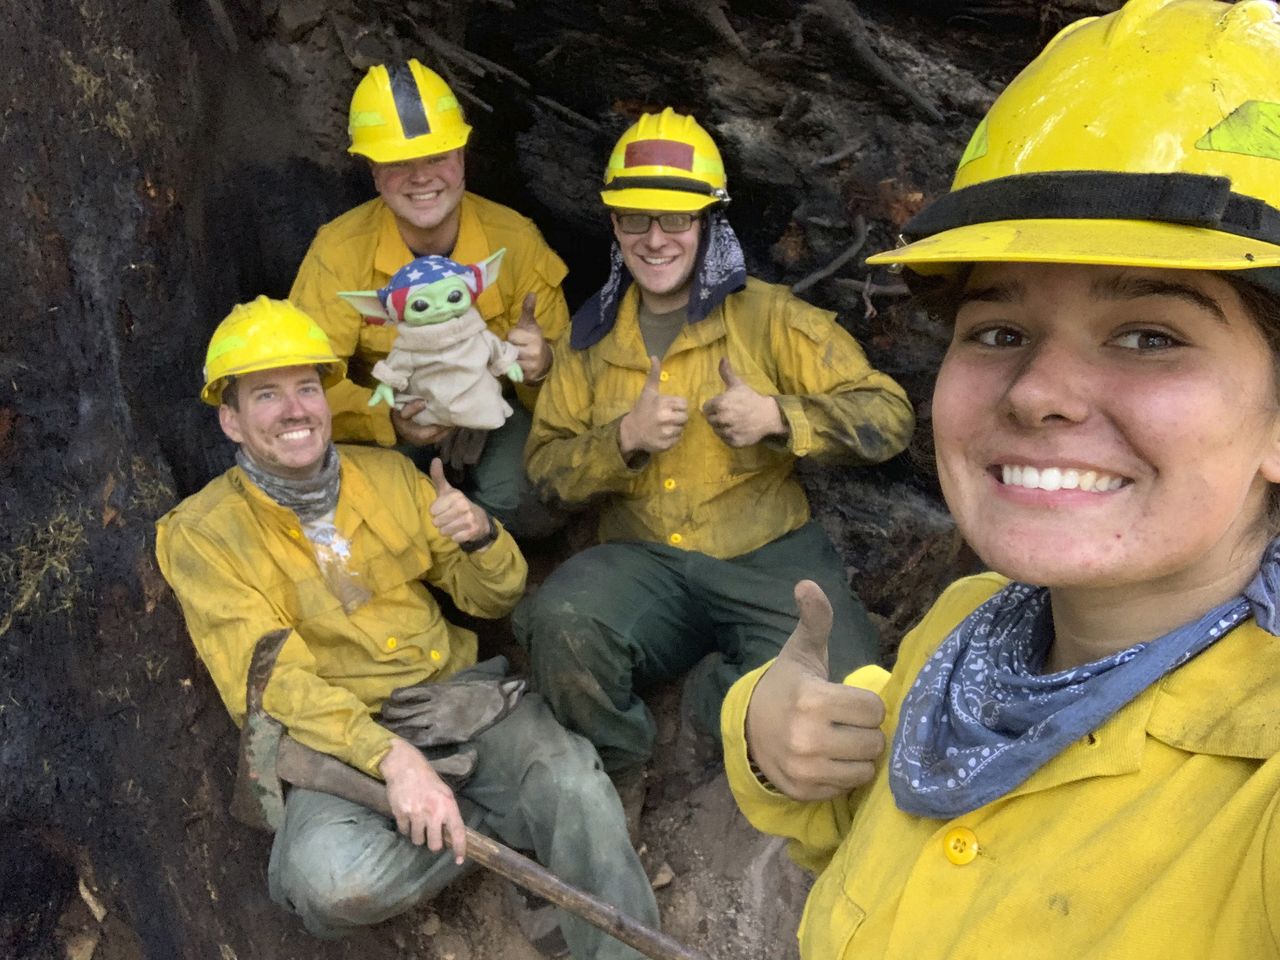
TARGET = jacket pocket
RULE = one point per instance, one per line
(830, 919)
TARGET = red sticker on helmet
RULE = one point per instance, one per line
(659, 153)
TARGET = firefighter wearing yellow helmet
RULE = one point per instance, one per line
(308, 575)
(408, 124)
(680, 404)
(1081, 759)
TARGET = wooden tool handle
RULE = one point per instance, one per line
(304, 767)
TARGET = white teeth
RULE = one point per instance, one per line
(657, 261)
(420, 197)
(295, 435)
(1057, 478)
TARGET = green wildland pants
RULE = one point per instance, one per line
(624, 615)
(340, 866)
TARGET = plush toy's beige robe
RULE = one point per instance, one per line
(453, 366)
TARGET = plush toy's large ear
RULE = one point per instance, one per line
(485, 273)
(369, 305)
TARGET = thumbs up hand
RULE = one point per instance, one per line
(740, 416)
(811, 738)
(654, 423)
(452, 513)
(533, 353)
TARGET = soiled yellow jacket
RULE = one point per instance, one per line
(702, 494)
(362, 249)
(241, 566)
(1155, 836)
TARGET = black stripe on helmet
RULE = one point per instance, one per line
(1191, 199)
(409, 106)
(665, 183)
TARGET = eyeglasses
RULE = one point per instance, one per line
(637, 223)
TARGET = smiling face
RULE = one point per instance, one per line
(661, 263)
(1104, 426)
(281, 420)
(424, 194)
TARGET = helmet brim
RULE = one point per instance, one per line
(335, 372)
(1124, 243)
(673, 201)
(428, 145)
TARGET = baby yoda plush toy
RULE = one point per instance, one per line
(443, 352)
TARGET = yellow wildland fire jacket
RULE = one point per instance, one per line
(242, 566)
(362, 249)
(702, 494)
(1157, 835)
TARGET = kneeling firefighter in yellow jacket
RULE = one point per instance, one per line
(680, 403)
(335, 547)
(406, 121)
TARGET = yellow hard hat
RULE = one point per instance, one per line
(402, 111)
(665, 161)
(1147, 138)
(266, 334)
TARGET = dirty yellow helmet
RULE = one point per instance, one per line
(264, 335)
(665, 161)
(1147, 138)
(402, 111)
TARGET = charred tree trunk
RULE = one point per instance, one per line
(164, 161)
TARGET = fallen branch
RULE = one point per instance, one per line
(872, 289)
(860, 228)
(834, 158)
(568, 113)
(845, 22)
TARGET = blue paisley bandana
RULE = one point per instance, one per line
(980, 718)
(720, 271)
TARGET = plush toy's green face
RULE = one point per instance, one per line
(446, 299)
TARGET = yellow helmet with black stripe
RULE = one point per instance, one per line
(1148, 138)
(403, 110)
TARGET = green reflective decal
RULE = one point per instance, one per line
(445, 104)
(365, 118)
(315, 333)
(977, 147)
(1252, 129)
(225, 345)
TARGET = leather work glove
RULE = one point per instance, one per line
(451, 711)
(462, 448)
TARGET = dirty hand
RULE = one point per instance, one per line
(739, 415)
(416, 433)
(811, 738)
(655, 422)
(453, 514)
(423, 805)
(534, 353)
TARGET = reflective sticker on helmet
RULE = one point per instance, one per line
(977, 147)
(409, 106)
(225, 345)
(315, 333)
(445, 104)
(365, 118)
(659, 153)
(1251, 129)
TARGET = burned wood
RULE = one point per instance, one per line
(568, 113)
(843, 20)
(860, 237)
(711, 14)
(871, 289)
(831, 159)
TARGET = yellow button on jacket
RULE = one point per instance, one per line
(1155, 836)
(361, 249)
(702, 494)
(238, 573)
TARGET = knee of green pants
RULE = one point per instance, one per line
(584, 672)
(340, 866)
